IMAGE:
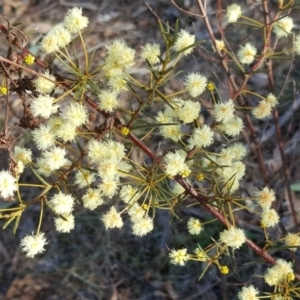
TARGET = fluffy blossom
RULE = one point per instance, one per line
(172, 132)
(66, 131)
(112, 219)
(120, 57)
(65, 223)
(179, 257)
(272, 100)
(84, 178)
(33, 244)
(220, 45)
(186, 110)
(7, 184)
(246, 54)
(201, 137)
(151, 52)
(43, 137)
(135, 212)
(175, 164)
(92, 199)
(54, 158)
(63, 35)
(291, 240)
(142, 226)
(194, 226)
(184, 39)
(108, 169)
(74, 21)
(76, 114)
(98, 151)
(233, 13)
(269, 217)
(42, 169)
(248, 293)
(232, 127)
(226, 157)
(128, 194)
(109, 187)
(56, 38)
(239, 151)
(224, 111)
(279, 272)
(43, 106)
(262, 110)
(22, 154)
(195, 83)
(283, 27)
(234, 152)
(49, 43)
(239, 169)
(118, 83)
(201, 255)
(43, 85)
(233, 237)
(62, 204)
(108, 101)
(265, 197)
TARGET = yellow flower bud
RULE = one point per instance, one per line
(224, 270)
(125, 131)
(210, 86)
(290, 276)
(29, 59)
(200, 176)
(3, 90)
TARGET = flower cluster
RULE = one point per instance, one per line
(279, 273)
(181, 112)
(264, 107)
(175, 164)
(265, 198)
(230, 168)
(61, 35)
(230, 124)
